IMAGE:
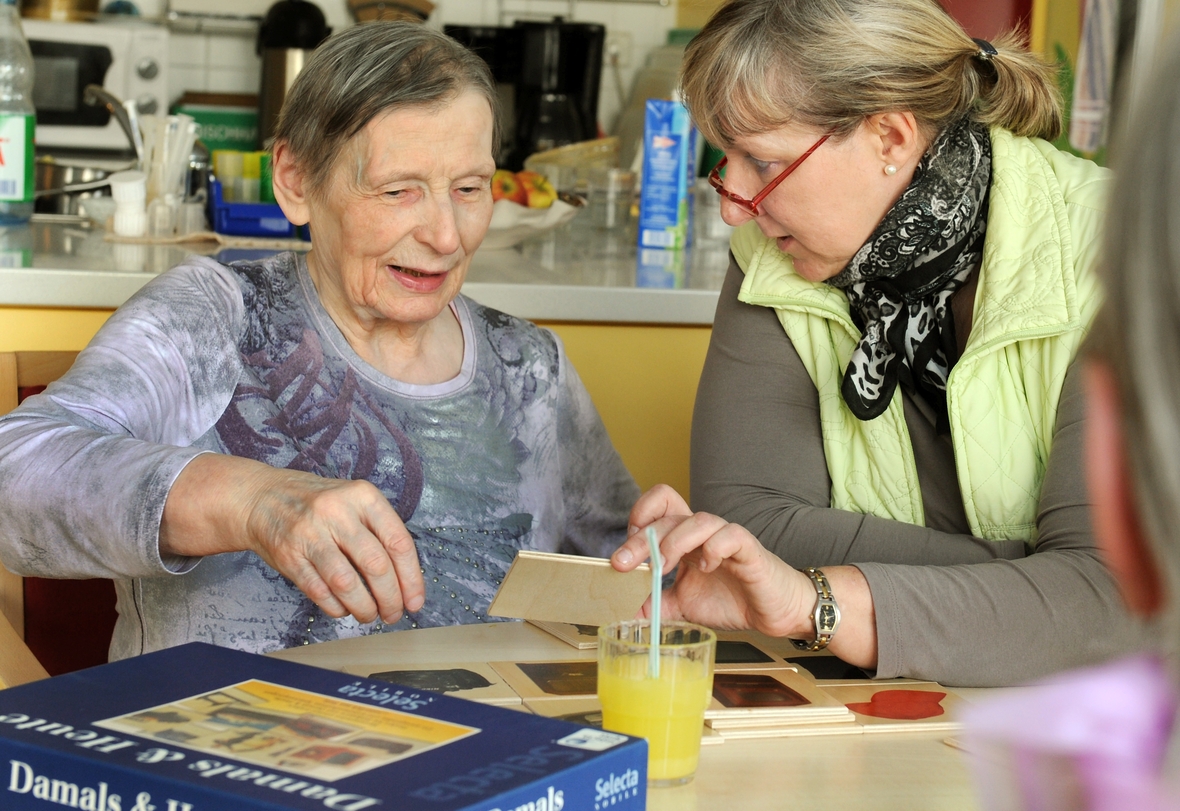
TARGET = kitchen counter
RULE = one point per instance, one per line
(636, 332)
(574, 274)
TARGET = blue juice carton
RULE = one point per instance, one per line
(659, 267)
(669, 161)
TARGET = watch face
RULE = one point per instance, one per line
(825, 619)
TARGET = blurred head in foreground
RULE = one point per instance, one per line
(1133, 380)
(1107, 738)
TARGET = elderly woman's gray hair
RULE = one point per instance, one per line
(1138, 329)
(367, 70)
(761, 64)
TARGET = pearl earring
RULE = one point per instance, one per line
(890, 169)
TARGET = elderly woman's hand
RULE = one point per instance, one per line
(339, 541)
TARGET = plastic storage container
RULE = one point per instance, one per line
(247, 219)
(129, 190)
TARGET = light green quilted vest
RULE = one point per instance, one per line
(1036, 297)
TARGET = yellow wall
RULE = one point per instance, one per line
(643, 378)
(1056, 22)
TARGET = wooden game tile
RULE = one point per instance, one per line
(585, 711)
(900, 707)
(737, 651)
(792, 731)
(768, 694)
(588, 711)
(550, 680)
(582, 637)
(756, 721)
(778, 647)
(828, 671)
(475, 681)
(569, 588)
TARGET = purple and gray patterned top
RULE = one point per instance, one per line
(244, 359)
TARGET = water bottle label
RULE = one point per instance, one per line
(16, 158)
(16, 259)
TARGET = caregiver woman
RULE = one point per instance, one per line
(890, 393)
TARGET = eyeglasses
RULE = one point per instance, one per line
(751, 206)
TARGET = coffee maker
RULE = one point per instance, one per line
(547, 75)
(287, 36)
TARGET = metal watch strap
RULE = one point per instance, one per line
(825, 615)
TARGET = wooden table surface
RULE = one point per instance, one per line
(881, 771)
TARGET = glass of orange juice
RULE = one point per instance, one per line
(667, 709)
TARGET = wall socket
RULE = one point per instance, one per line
(617, 48)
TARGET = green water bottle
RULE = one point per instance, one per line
(17, 119)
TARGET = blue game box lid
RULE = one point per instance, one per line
(203, 728)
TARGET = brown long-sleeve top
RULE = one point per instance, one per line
(950, 607)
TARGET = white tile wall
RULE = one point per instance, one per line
(221, 63)
(227, 62)
(187, 49)
(648, 24)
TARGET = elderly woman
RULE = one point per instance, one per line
(889, 401)
(301, 448)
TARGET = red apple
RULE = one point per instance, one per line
(902, 705)
(538, 190)
(506, 186)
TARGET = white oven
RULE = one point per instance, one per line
(129, 60)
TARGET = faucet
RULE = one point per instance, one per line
(125, 112)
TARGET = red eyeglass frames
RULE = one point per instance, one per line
(751, 206)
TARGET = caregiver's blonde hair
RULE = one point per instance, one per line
(760, 64)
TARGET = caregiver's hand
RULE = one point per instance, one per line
(726, 579)
(340, 542)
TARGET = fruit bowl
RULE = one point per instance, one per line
(513, 223)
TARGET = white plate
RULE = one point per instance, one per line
(513, 223)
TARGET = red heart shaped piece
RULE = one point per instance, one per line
(902, 705)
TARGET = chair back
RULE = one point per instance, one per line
(20, 371)
(18, 665)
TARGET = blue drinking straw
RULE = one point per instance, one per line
(657, 566)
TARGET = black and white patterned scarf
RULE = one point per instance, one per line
(899, 284)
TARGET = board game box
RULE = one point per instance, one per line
(203, 728)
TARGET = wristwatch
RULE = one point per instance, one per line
(825, 615)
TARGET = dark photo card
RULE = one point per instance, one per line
(828, 667)
(593, 718)
(736, 652)
(754, 690)
(452, 680)
(563, 678)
